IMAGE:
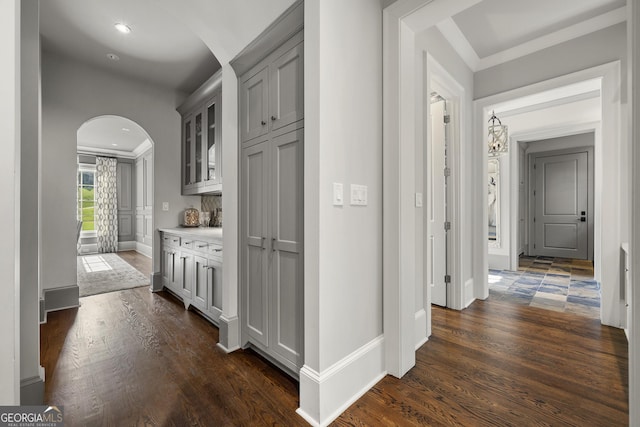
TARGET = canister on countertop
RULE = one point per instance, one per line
(191, 217)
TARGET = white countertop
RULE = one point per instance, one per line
(210, 233)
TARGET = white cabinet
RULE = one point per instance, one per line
(202, 140)
(192, 270)
(272, 204)
(271, 94)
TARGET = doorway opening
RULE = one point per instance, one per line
(438, 215)
(114, 205)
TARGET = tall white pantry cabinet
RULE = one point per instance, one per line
(272, 203)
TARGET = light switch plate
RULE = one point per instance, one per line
(418, 200)
(358, 195)
(165, 206)
(338, 194)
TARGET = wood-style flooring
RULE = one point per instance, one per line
(138, 261)
(137, 358)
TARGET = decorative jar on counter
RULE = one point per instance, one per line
(191, 217)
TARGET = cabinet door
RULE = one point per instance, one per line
(214, 282)
(168, 267)
(211, 141)
(286, 97)
(188, 153)
(255, 222)
(140, 183)
(286, 248)
(254, 106)
(200, 279)
(186, 266)
(199, 147)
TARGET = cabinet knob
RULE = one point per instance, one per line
(217, 250)
(263, 123)
(274, 118)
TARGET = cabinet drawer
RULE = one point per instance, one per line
(170, 240)
(187, 243)
(214, 249)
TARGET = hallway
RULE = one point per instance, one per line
(138, 358)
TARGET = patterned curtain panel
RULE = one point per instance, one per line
(106, 204)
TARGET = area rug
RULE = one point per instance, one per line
(101, 273)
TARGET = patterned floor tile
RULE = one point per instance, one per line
(558, 284)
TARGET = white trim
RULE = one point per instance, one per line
(420, 329)
(633, 57)
(143, 249)
(607, 244)
(229, 336)
(127, 246)
(460, 44)
(468, 293)
(94, 151)
(548, 40)
(341, 384)
(142, 148)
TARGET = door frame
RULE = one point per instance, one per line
(531, 156)
(606, 241)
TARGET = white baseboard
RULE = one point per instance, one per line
(324, 396)
(144, 249)
(90, 248)
(420, 329)
(468, 293)
(127, 246)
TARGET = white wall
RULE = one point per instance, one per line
(343, 245)
(29, 256)
(72, 93)
(10, 208)
(593, 49)
(433, 43)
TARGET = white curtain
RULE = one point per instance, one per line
(106, 204)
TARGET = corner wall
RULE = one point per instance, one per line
(344, 354)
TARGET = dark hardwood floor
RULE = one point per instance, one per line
(138, 261)
(137, 358)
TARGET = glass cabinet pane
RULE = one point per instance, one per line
(187, 152)
(211, 141)
(198, 147)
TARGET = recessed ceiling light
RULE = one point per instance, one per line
(123, 28)
(115, 145)
(113, 57)
(126, 129)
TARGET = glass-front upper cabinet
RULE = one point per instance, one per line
(202, 140)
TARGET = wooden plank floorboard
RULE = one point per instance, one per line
(137, 358)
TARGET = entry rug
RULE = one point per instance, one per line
(101, 273)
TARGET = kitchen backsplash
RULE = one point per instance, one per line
(210, 203)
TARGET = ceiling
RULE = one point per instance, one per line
(113, 135)
(159, 49)
(170, 43)
(494, 31)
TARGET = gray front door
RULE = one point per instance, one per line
(561, 217)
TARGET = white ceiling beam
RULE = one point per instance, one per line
(456, 38)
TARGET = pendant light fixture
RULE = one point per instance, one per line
(497, 141)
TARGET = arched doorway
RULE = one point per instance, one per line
(114, 205)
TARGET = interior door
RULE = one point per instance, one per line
(254, 273)
(286, 248)
(436, 248)
(561, 205)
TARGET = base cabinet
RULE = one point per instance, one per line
(192, 270)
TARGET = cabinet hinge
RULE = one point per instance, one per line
(534, 193)
(534, 219)
(447, 225)
(447, 278)
(447, 172)
(447, 119)
(534, 165)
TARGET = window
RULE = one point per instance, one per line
(86, 192)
